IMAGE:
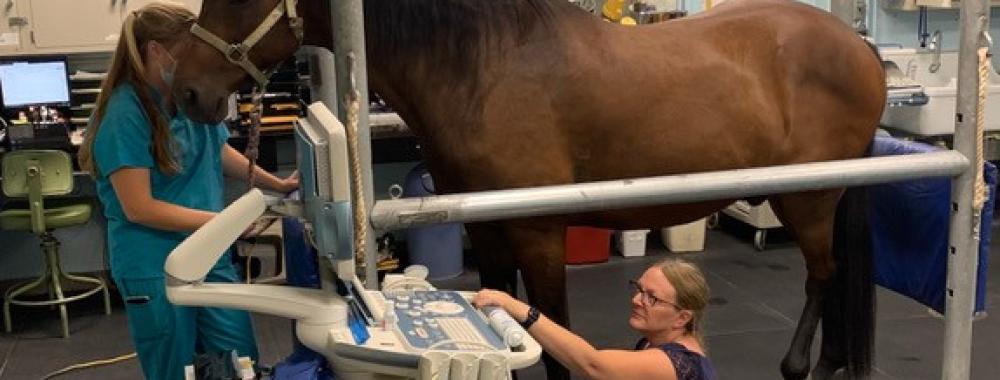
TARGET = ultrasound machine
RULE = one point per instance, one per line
(33, 91)
(408, 330)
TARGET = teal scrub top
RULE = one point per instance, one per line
(124, 140)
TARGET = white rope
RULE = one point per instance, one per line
(360, 209)
(979, 196)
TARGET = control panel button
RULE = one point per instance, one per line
(443, 307)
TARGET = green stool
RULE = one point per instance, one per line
(38, 174)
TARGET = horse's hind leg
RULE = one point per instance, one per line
(809, 217)
(539, 248)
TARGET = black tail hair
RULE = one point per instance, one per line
(849, 309)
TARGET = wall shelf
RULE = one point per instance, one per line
(913, 5)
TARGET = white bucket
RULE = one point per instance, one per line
(685, 237)
(632, 243)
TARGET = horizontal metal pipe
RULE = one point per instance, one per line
(675, 189)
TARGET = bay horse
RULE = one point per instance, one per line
(520, 93)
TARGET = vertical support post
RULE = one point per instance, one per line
(323, 83)
(963, 245)
(348, 24)
(852, 12)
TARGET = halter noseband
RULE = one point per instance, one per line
(238, 53)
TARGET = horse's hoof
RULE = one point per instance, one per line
(825, 372)
(796, 371)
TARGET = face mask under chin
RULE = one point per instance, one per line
(167, 70)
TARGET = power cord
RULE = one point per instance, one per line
(255, 234)
(6, 356)
(95, 363)
(74, 367)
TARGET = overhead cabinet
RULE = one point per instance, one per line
(10, 27)
(66, 26)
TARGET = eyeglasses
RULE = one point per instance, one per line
(648, 298)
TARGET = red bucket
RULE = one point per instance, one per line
(587, 245)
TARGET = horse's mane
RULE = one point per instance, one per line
(456, 32)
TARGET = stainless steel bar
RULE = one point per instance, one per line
(349, 41)
(963, 250)
(730, 184)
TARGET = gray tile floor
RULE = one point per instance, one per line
(757, 297)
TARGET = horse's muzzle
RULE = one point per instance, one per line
(201, 107)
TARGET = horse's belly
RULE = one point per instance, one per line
(651, 217)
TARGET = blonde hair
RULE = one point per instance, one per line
(691, 291)
(167, 23)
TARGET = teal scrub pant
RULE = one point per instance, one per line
(167, 337)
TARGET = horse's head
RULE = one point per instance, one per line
(236, 41)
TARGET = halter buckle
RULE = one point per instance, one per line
(296, 24)
(237, 52)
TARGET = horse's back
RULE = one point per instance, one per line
(744, 85)
(750, 83)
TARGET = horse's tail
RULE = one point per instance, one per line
(849, 310)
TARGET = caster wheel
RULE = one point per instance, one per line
(760, 240)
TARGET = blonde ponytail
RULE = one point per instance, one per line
(133, 47)
(166, 23)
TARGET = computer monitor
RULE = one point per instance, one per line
(30, 81)
(325, 185)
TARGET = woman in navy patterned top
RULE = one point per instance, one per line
(668, 304)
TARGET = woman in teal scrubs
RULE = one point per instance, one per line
(160, 177)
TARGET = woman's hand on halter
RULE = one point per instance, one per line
(513, 306)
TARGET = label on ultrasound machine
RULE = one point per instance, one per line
(442, 320)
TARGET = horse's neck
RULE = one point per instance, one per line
(436, 100)
(317, 23)
(425, 81)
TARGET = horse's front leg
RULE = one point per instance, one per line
(493, 255)
(539, 248)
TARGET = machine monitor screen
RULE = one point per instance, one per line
(34, 81)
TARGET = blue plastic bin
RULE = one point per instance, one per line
(437, 247)
(910, 222)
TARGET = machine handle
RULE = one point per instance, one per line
(196, 255)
